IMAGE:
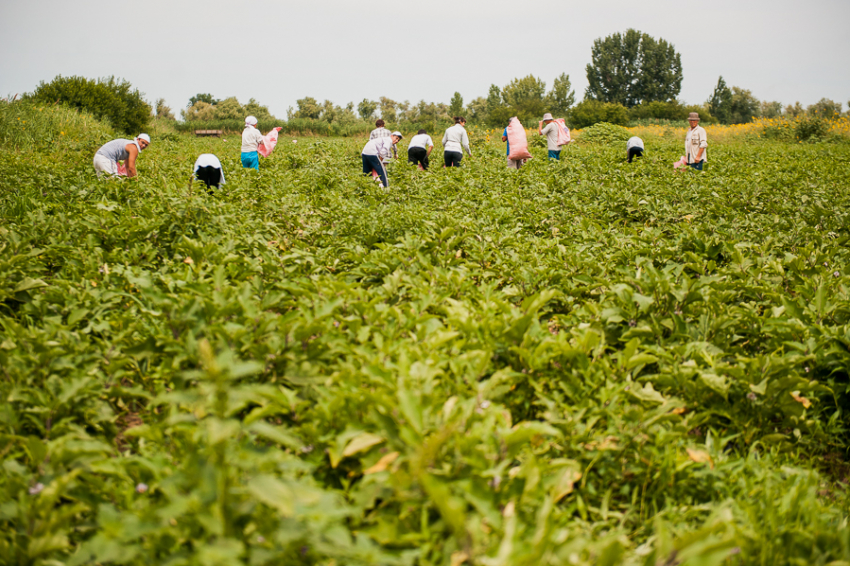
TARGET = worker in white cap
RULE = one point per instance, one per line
(373, 155)
(551, 133)
(107, 157)
(251, 140)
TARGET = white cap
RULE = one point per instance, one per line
(397, 133)
(251, 121)
(145, 137)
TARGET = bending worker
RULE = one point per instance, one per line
(107, 157)
(208, 169)
(251, 140)
(634, 148)
(416, 152)
(373, 154)
(551, 133)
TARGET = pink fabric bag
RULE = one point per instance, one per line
(679, 164)
(269, 141)
(517, 140)
(563, 132)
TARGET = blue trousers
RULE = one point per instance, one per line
(556, 155)
(697, 166)
(251, 160)
(370, 163)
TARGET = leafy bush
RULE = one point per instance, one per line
(603, 132)
(669, 112)
(811, 128)
(110, 99)
(589, 112)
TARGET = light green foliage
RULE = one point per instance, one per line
(770, 109)
(25, 125)
(589, 112)
(603, 132)
(632, 68)
(162, 111)
(202, 97)
(583, 362)
(366, 109)
(308, 107)
(794, 110)
(477, 110)
(389, 109)
(109, 99)
(203, 113)
(562, 96)
(825, 108)
(744, 106)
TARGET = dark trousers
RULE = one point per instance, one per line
(635, 152)
(418, 156)
(452, 158)
(372, 163)
(211, 176)
(697, 166)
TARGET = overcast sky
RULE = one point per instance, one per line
(278, 51)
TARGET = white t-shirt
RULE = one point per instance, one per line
(251, 138)
(421, 140)
(694, 140)
(634, 141)
(380, 147)
(456, 139)
(209, 160)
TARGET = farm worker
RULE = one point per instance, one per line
(208, 169)
(634, 148)
(251, 140)
(381, 132)
(696, 143)
(374, 151)
(455, 141)
(107, 157)
(551, 133)
(416, 152)
(512, 163)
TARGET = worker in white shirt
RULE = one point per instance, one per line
(373, 154)
(381, 131)
(696, 143)
(455, 141)
(417, 153)
(634, 148)
(251, 140)
(208, 169)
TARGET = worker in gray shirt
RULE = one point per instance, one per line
(107, 157)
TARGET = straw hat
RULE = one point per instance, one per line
(547, 116)
(693, 116)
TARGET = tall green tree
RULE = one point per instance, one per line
(526, 98)
(202, 97)
(163, 111)
(308, 107)
(366, 109)
(633, 67)
(388, 108)
(720, 103)
(476, 110)
(456, 105)
(561, 98)
(825, 108)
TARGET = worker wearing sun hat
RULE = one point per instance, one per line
(551, 133)
(374, 152)
(251, 140)
(696, 143)
(107, 157)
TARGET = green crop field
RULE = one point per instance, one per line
(584, 362)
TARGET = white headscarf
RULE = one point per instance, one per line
(250, 121)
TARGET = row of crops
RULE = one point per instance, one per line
(584, 362)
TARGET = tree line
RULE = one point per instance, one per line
(631, 77)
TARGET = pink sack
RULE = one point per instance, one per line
(679, 164)
(120, 169)
(517, 140)
(269, 141)
(563, 132)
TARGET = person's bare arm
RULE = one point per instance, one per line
(504, 138)
(131, 160)
(430, 149)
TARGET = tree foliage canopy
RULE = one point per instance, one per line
(633, 67)
(110, 99)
